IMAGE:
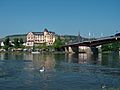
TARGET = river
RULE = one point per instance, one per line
(21, 71)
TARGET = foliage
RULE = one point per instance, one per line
(7, 41)
(106, 47)
(58, 43)
(21, 41)
(43, 47)
(7, 44)
(11, 37)
(18, 43)
(111, 46)
(116, 46)
(56, 46)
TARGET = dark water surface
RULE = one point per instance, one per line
(20, 71)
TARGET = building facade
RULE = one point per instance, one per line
(37, 38)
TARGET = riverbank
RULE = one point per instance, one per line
(110, 51)
(38, 52)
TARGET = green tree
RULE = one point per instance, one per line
(115, 46)
(16, 43)
(7, 44)
(58, 43)
(106, 47)
(111, 46)
(43, 47)
(21, 41)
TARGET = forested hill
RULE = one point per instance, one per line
(66, 38)
(11, 37)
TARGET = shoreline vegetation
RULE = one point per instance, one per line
(44, 52)
(17, 45)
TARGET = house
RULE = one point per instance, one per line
(37, 38)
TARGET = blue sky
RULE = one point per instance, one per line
(60, 16)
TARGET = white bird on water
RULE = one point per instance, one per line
(42, 70)
(103, 86)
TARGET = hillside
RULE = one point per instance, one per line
(11, 37)
(66, 38)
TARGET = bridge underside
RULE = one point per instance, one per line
(90, 46)
(81, 49)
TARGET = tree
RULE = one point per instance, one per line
(7, 44)
(58, 43)
(21, 41)
(110, 47)
(16, 43)
(42, 46)
(106, 47)
(115, 46)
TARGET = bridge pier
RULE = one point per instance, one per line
(66, 49)
(94, 50)
(73, 49)
(81, 49)
(99, 48)
(86, 49)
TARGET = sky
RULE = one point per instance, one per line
(91, 18)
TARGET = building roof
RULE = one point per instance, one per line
(52, 32)
(45, 30)
(38, 33)
(42, 33)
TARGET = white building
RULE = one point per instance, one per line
(46, 37)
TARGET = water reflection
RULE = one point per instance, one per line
(39, 60)
(83, 58)
(80, 71)
(44, 60)
(111, 59)
(16, 56)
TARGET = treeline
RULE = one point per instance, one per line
(18, 43)
(111, 46)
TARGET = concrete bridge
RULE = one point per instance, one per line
(91, 46)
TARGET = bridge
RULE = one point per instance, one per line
(90, 46)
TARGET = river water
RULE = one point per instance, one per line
(21, 71)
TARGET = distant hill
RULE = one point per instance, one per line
(73, 38)
(11, 37)
(66, 38)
